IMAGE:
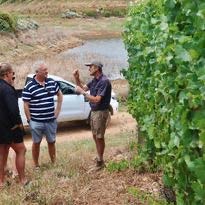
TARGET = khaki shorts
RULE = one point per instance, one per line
(98, 121)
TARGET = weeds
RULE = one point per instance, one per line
(118, 166)
(145, 198)
(105, 12)
(69, 181)
(7, 22)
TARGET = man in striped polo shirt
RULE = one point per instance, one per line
(41, 113)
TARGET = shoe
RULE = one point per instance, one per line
(100, 164)
(95, 159)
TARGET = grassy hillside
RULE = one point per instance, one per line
(55, 33)
(52, 7)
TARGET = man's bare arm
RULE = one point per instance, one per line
(90, 98)
(79, 83)
(27, 111)
(59, 103)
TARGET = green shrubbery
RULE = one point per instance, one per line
(7, 22)
(165, 40)
(10, 1)
(105, 12)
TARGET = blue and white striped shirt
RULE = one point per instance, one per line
(41, 99)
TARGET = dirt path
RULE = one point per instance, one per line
(71, 131)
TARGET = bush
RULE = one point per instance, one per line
(11, 1)
(166, 47)
(7, 23)
(106, 12)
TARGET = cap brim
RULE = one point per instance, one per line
(88, 64)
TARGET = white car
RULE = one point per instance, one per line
(74, 106)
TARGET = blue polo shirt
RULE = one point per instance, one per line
(41, 99)
(100, 87)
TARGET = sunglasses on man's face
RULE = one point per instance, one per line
(13, 78)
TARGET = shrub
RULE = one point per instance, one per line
(166, 47)
(7, 22)
(106, 12)
(11, 1)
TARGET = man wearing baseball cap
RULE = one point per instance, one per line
(99, 99)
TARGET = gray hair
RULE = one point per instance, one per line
(4, 68)
(37, 65)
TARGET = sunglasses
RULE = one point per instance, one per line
(13, 78)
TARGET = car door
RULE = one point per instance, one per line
(73, 104)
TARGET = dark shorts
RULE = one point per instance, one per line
(14, 136)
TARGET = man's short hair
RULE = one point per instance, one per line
(37, 65)
(4, 68)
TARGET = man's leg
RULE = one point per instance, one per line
(52, 151)
(95, 140)
(51, 129)
(35, 153)
(37, 129)
(100, 144)
(11, 163)
(20, 151)
(4, 150)
(100, 147)
(98, 126)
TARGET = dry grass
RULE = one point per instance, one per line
(48, 42)
(50, 7)
(71, 181)
(55, 35)
(64, 67)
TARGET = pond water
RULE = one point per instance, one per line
(111, 52)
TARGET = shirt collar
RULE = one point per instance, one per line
(38, 82)
(97, 79)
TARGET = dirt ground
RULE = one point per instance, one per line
(71, 131)
(107, 188)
